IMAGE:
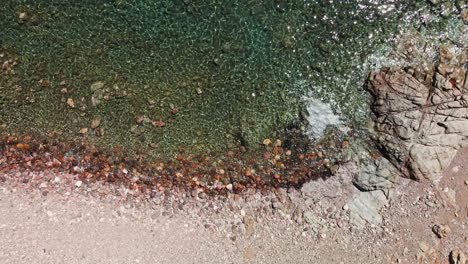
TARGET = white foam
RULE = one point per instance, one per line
(320, 116)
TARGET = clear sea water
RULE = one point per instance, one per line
(214, 74)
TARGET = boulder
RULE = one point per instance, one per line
(378, 174)
(421, 118)
(364, 208)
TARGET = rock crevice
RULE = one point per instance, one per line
(421, 117)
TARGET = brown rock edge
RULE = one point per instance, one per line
(421, 117)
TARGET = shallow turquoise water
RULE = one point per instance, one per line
(236, 71)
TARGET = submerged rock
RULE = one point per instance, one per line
(320, 116)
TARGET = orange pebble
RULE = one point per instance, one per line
(23, 147)
(345, 144)
(159, 123)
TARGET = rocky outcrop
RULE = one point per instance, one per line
(421, 117)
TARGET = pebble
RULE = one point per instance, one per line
(457, 257)
(430, 204)
(202, 195)
(340, 224)
(242, 212)
(297, 215)
(314, 221)
(22, 15)
(276, 205)
(78, 184)
(441, 231)
(70, 102)
(84, 130)
(96, 122)
(278, 143)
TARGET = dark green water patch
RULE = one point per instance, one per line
(214, 74)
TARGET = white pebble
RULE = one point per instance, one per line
(78, 184)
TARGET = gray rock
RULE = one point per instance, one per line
(377, 174)
(314, 221)
(364, 208)
(421, 117)
(451, 195)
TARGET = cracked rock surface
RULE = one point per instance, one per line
(378, 174)
(421, 117)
